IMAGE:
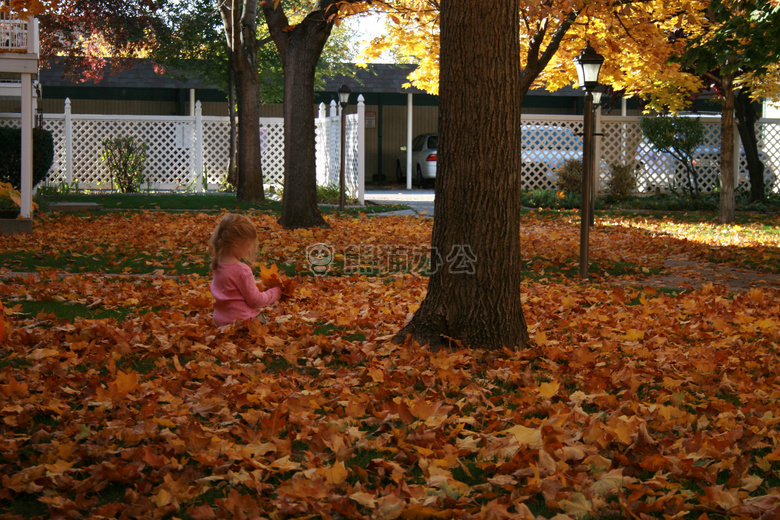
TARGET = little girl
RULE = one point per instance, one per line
(234, 288)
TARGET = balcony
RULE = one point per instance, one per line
(19, 48)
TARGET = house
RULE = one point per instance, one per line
(18, 70)
(389, 103)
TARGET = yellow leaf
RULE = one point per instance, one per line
(528, 436)
(376, 374)
(335, 474)
(611, 482)
(126, 382)
(163, 498)
(634, 335)
(364, 499)
(549, 389)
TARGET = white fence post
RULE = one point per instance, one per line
(361, 137)
(199, 176)
(334, 110)
(323, 112)
(68, 144)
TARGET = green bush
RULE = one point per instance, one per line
(623, 181)
(678, 136)
(11, 151)
(126, 160)
(570, 176)
(550, 199)
(330, 195)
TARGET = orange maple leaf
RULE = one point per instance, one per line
(271, 277)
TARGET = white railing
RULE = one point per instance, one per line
(184, 149)
(18, 35)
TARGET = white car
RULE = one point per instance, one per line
(424, 160)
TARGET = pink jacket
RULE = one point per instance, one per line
(236, 294)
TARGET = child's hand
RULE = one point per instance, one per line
(272, 278)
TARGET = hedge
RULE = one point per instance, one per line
(11, 151)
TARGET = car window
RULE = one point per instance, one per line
(433, 142)
(417, 144)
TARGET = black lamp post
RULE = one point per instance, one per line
(588, 65)
(344, 92)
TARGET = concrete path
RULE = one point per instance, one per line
(421, 201)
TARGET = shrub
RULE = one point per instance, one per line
(570, 176)
(11, 152)
(680, 137)
(126, 159)
(330, 194)
(623, 182)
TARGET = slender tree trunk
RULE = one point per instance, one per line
(240, 31)
(300, 47)
(727, 153)
(746, 124)
(232, 176)
(474, 293)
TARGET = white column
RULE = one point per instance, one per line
(361, 132)
(27, 155)
(68, 143)
(192, 102)
(198, 149)
(409, 105)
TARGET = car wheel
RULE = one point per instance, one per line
(399, 174)
(420, 179)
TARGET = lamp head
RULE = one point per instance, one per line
(344, 92)
(588, 65)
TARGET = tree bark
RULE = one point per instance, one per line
(473, 294)
(746, 124)
(300, 47)
(727, 202)
(241, 30)
(232, 176)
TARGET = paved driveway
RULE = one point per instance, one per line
(420, 201)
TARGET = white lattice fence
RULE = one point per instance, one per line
(56, 125)
(216, 146)
(272, 150)
(768, 132)
(168, 163)
(547, 143)
(351, 152)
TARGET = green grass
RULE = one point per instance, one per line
(191, 202)
(707, 203)
(67, 310)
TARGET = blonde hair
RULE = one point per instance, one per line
(232, 229)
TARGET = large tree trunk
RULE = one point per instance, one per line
(727, 174)
(746, 124)
(241, 31)
(300, 47)
(474, 294)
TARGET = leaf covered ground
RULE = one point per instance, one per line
(120, 399)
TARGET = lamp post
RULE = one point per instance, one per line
(588, 65)
(344, 92)
(596, 93)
